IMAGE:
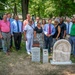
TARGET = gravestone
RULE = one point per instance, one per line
(45, 56)
(36, 54)
(61, 52)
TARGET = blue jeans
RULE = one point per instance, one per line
(72, 42)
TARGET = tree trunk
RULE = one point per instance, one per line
(15, 10)
(24, 8)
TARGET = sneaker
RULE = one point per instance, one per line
(28, 53)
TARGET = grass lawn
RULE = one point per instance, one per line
(19, 63)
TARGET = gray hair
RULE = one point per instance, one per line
(67, 18)
(57, 19)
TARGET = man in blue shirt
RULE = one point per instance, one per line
(49, 30)
(68, 27)
(10, 20)
(16, 31)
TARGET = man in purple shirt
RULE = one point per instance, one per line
(48, 30)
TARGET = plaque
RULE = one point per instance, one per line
(45, 56)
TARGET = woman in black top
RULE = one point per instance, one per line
(38, 34)
(57, 30)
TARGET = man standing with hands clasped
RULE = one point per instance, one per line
(49, 30)
(16, 31)
(5, 34)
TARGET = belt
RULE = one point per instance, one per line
(16, 32)
(6, 32)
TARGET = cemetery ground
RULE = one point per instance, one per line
(19, 63)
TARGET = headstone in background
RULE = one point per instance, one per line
(36, 54)
(45, 56)
(61, 52)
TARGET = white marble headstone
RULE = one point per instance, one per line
(61, 52)
(45, 56)
(36, 54)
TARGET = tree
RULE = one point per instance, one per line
(24, 8)
(63, 7)
(49, 8)
(41, 8)
(13, 6)
(2, 4)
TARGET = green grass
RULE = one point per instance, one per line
(72, 58)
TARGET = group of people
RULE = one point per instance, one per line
(45, 32)
(10, 28)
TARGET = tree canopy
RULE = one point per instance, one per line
(49, 8)
(41, 8)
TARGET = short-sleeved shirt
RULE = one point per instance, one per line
(63, 28)
(72, 33)
(38, 30)
(4, 26)
(29, 31)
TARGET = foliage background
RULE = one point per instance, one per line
(42, 8)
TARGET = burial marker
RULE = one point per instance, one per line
(61, 52)
(45, 56)
(36, 54)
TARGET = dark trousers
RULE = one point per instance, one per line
(48, 42)
(17, 40)
(11, 41)
(72, 42)
(0, 43)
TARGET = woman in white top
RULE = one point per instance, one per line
(28, 36)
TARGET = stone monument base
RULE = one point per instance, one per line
(60, 63)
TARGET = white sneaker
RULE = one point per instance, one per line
(28, 53)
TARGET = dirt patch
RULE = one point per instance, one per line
(20, 64)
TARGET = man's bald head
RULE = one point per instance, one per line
(5, 17)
